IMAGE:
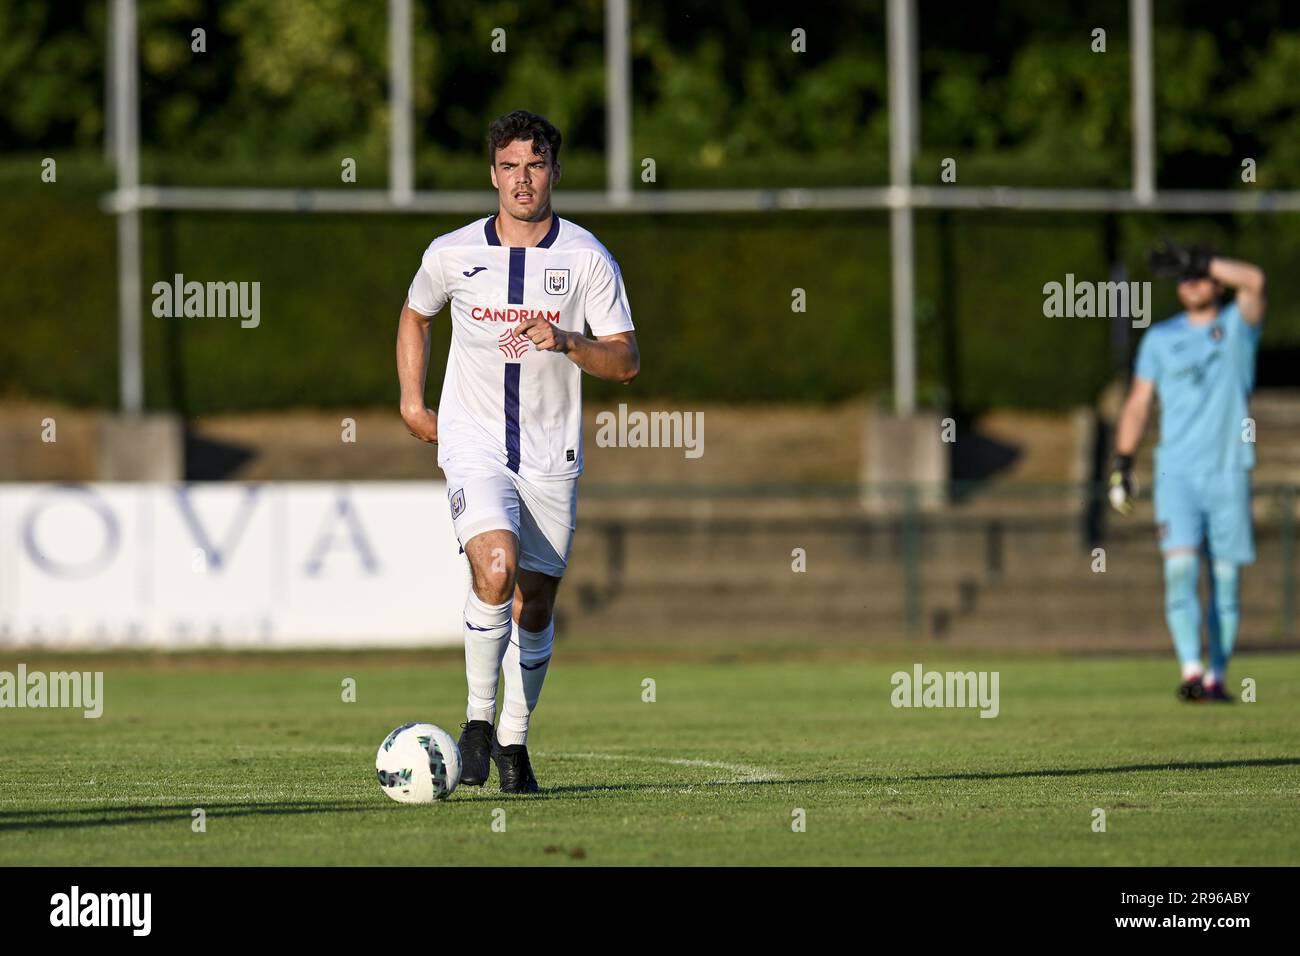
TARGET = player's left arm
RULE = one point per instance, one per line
(1248, 281)
(613, 357)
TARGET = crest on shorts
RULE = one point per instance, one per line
(557, 281)
(457, 503)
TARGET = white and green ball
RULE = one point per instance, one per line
(418, 763)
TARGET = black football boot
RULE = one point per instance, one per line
(513, 769)
(476, 740)
(1191, 690)
(1216, 692)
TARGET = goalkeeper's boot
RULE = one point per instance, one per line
(1191, 689)
(475, 743)
(1216, 692)
(513, 769)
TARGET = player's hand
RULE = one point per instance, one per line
(1169, 260)
(544, 334)
(422, 423)
(1123, 486)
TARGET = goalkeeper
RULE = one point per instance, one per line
(1201, 362)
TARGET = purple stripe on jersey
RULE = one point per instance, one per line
(512, 416)
(516, 296)
(490, 230)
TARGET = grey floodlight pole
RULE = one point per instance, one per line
(914, 74)
(1144, 139)
(401, 142)
(126, 141)
(618, 104)
(901, 131)
(110, 145)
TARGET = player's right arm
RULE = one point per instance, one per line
(425, 298)
(1132, 423)
(1248, 281)
(412, 370)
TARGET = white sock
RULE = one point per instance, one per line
(1214, 678)
(526, 662)
(487, 634)
(1192, 670)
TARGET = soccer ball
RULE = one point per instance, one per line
(418, 763)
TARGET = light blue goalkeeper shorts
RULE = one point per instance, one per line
(1213, 508)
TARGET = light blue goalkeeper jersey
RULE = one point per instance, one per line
(1203, 375)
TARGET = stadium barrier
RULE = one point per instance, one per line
(276, 565)
(374, 564)
(1004, 565)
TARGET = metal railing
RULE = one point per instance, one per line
(900, 197)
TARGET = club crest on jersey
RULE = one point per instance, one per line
(1216, 333)
(457, 503)
(556, 281)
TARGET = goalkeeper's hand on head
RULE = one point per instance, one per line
(1123, 486)
(1169, 260)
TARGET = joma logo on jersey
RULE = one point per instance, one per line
(481, 314)
(557, 281)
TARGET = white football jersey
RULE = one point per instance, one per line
(503, 398)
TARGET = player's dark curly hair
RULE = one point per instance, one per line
(522, 124)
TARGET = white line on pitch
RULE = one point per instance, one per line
(747, 774)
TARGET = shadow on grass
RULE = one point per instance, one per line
(886, 778)
(125, 815)
(1129, 768)
(112, 816)
(116, 815)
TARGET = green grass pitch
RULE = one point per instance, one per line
(711, 772)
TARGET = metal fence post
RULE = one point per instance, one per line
(1287, 499)
(126, 141)
(912, 562)
(401, 138)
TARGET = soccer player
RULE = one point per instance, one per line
(522, 284)
(1201, 362)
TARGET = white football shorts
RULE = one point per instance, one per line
(542, 515)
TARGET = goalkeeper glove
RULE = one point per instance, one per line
(1170, 260)
(1123, 486)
